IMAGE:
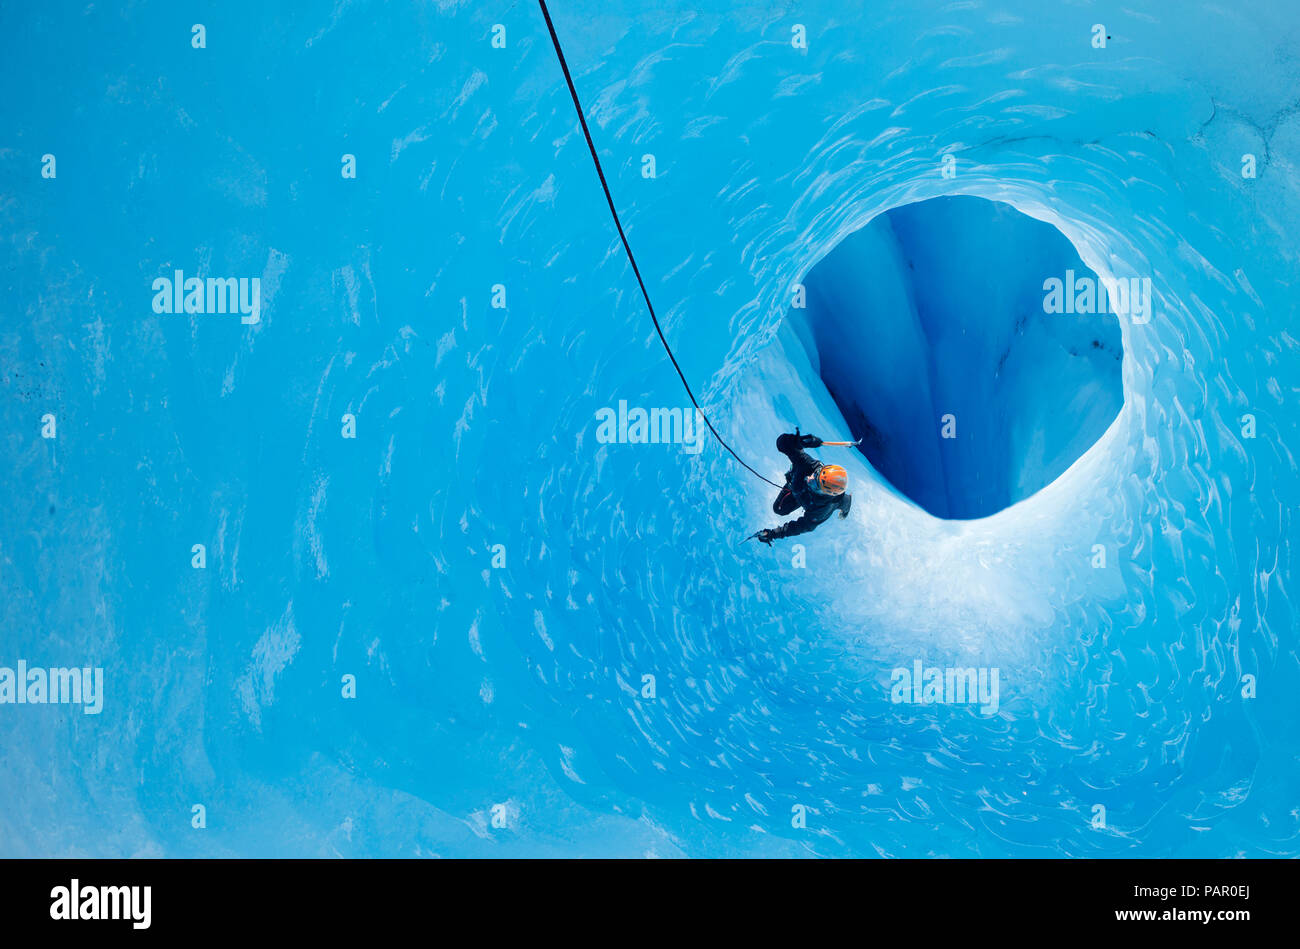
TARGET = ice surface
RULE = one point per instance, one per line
(503, 710)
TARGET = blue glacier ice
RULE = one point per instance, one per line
(936, 309)
(556, 646)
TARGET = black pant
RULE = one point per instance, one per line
(785, 502)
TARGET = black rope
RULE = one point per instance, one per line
(619, 224)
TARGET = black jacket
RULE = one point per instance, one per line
(817, 507)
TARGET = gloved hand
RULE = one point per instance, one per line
(807, 441)
(767, 535)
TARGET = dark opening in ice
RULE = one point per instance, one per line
(928, 328)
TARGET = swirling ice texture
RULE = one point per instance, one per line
(515, 692)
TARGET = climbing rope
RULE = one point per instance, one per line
(582, 118)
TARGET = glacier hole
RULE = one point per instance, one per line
(928, 329)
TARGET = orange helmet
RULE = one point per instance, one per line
(830, 479)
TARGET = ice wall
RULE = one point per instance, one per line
(556, 645)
